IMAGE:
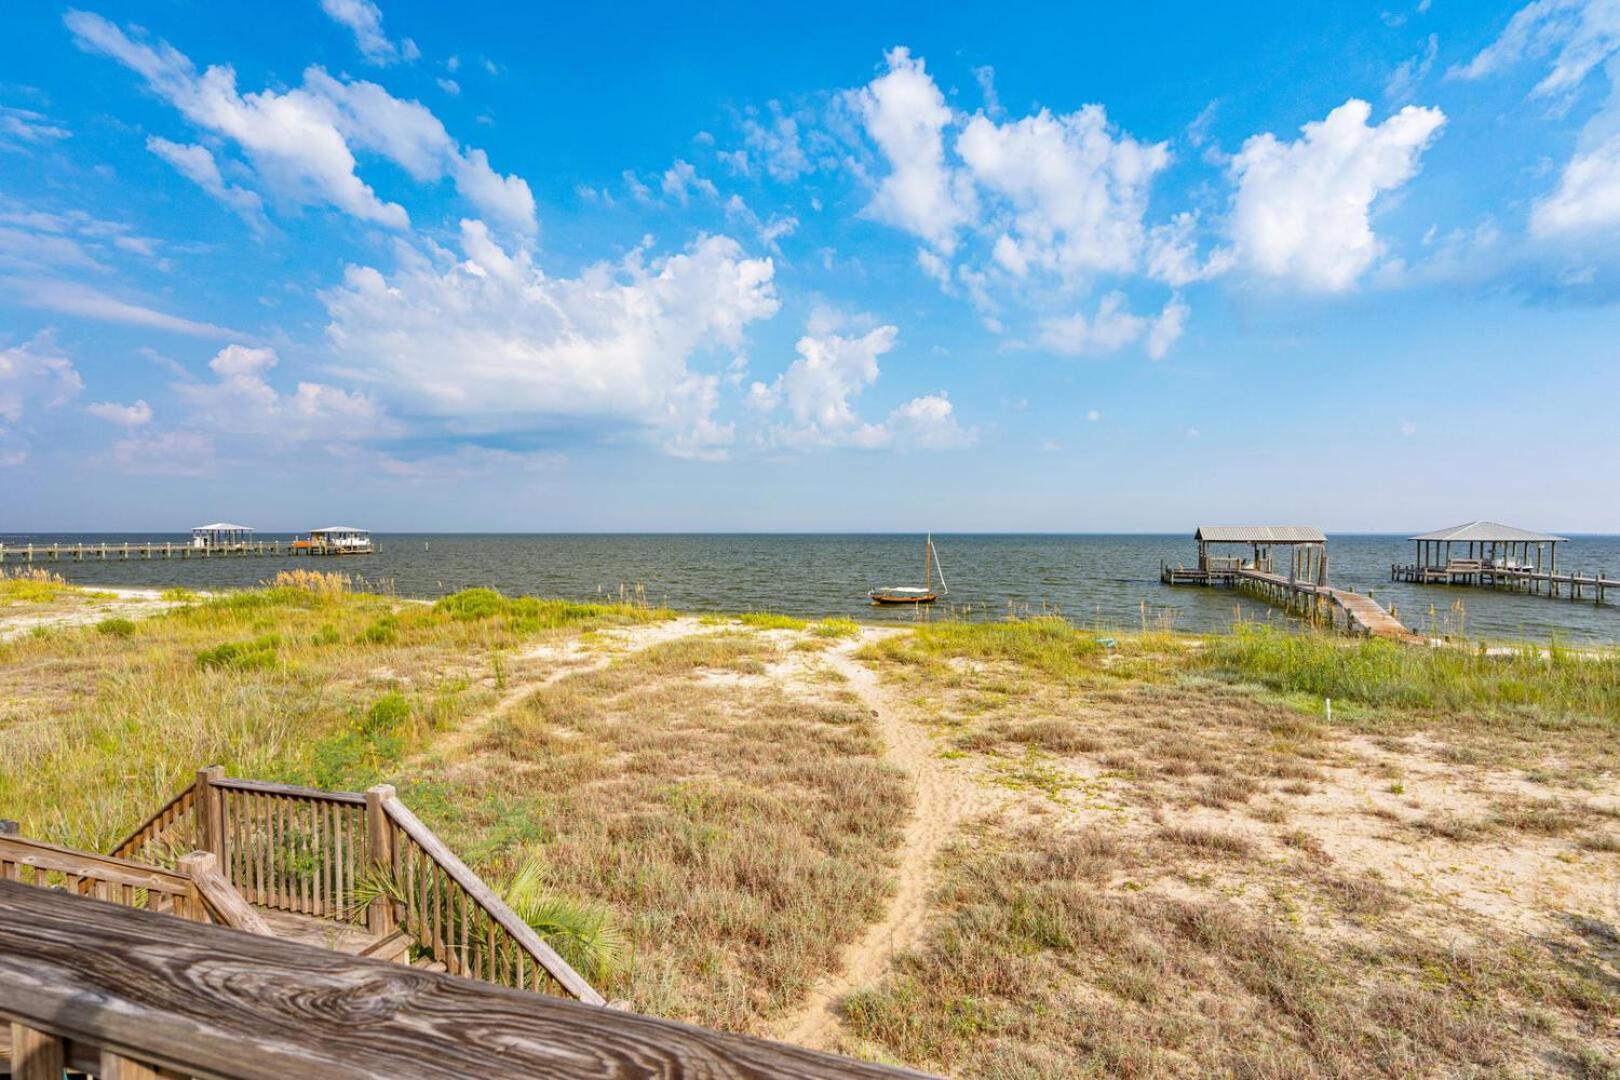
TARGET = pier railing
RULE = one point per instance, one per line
(120, 993)
(359, 858)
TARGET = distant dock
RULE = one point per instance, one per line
(1485, 554)
(1303, 590)
(30, 553)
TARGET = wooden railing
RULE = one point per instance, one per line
(123, 993)
(362, 858)
(290, 848)
(166, 835)
(195, 890)
(459, 919)
(83, 873)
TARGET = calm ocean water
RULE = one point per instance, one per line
(1102, 580)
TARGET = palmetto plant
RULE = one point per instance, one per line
(584, 934)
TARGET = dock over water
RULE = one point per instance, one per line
(30, 553)
(1304, 589)
(1489, 555)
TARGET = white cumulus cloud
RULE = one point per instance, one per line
(906, 115)
(301, 142)
(137, 414)
(492, 343)
(1302, 208)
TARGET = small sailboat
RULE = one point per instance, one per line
(910, 594)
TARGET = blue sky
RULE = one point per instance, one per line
(1066, 267)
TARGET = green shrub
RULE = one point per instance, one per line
(387, 714)
(116, 627)
(469, 604)
(178, 595)
(326, 635)
(385, 631)
(241, 655)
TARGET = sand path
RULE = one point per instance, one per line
(572, 657)
(944, 796)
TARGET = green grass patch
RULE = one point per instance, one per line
(770, 620)
(837, 628)
(241, 655)
(1047, 644)
(1554, 683)
(121, 628)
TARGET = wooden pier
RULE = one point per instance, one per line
(1303, 590)
(1488, 555)
(151, 549)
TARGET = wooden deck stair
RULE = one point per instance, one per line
(352, 873)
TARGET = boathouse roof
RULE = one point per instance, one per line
(1259, 534)
(223, 526)
(1490, 532)
(338, 528)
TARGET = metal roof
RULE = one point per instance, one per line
(338, 528)
(1489, 532)
(1260, 534)
(221, 526)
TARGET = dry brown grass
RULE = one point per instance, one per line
(1398, 893)
(742, 834)
(1043, 964)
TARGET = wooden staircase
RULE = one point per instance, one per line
(353, 873)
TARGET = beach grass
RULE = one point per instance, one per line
(103, 723)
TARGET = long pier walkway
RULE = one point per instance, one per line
(1360, 614)
(28, 553)
(1343, 609)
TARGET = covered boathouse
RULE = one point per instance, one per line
(1467, 553)
(1306, 546)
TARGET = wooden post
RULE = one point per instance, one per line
(210, 811)
(35, 1055)
(380, 854)
(117, 1067)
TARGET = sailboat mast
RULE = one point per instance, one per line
(928, 563)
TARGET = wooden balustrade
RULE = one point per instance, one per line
(290, 848)
(121, 993)
(83, 873)
(166, 835)
(351, 856)
(461, 921)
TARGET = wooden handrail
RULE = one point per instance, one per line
(219, 896)
(291, 791)
(85, 979)
(493, 907)
(153, 826)
(52, 858)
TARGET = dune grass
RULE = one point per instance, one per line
(739, 834)
(1555, 683)
(280, 683)
(1041, 964)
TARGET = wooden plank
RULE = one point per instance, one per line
(213, 1002)
(116, 1066)
(84, 865)
(35, 1054)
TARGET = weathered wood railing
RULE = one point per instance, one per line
(351, 856)
(123, 993)
(459, 919)
(195, 890)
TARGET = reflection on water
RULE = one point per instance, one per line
(1110, 581)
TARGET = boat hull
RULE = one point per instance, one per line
(926, 598)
